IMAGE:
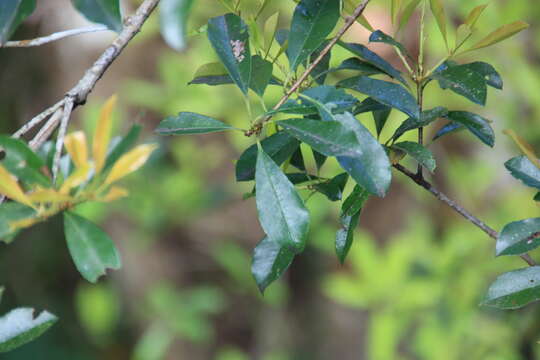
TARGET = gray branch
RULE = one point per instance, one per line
(54, 37)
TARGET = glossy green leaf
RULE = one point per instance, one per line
(320, 71)
(211, 74)
(356, 64)
(514, 289)
(333, 189)
(419, 153)
(437, 8)
(335, 99)
(381, 37)
(297, 160)
(387, 93)
(519, 237)
(91, 249)
(282, 214)
(502, 33)
(374, 59)
(19, 327)
(380, 117)
(464, 81)
(11, 212)
(349, 217)
(229, 37)
(123, 146)
(320, 159)
(474, 15)
(427, 117)
(312, 21)
(369, 104)
(22, 162)
(491, 76)
(173, 18)
(106, 12)
(449, 128)
(12, 14)
(523, 169)
(475, 124)
(270, 260)
(190, 123)
(280, 146)
(261, 74)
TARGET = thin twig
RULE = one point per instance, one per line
(37, 119)
(68, 107)
(54, 37)
(46, 130)
(460, 210)
(348, 23)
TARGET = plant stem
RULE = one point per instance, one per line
(54, 37)
(457, 208)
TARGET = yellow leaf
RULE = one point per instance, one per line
(502, 33)
(115, 193)
(437, 8)
(473, 16)
(75, 179)
(77, 148)
(525, 147)
(48, 196)
(103, 133)
(10, 188)
(130, 162)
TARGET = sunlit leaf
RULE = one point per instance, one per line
(12, 13)
(407, 13)
(270, 260)
(349, 6)
(130, 162)
(22, 162)
(115, 193)
(19, 327)
(106, 12)
(77, 148)
(10, 213)
(514, 289)
(270, 28)
(10, 188)
(78, 177)
(502, 33)
(394, 10)
(474, 15)
(519, 237)
(121, 147)
(91, 249)
(49, 196)
(437, 8)
(102, 136)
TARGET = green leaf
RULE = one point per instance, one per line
(106, 12)
(380, 117)
(12, 14)
(387, 93)
(465, 81)
(261, 74)
(173, 18)
(215, 73)
(474, 15)
(356, 64)
(270, 29)
(320, 71)
(491, 76)
(369, 104)
(374, 59)
(537, 197)
(229, 37)
(312, 21)
(333, 189)
(1, 292)
(407, 13)
(282, 214)
(514, 289)
(91, 249)
(419, 153)
(427, 117)
(449, 128)
(11, 212)
(22, 162)
(502, 33)
(190, 123)
(19, 327)
(280, 146)
(396, 6)
(270, 260)
(519, 237)
(350, 215)
(475, 124)
(523, 169)
(123, 146)
(381, 37)
(437, 8)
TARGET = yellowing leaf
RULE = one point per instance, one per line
(473, 16)
(130, 162)
(75, 179)
(77, 148)
(525, 147)
(502, 33)
(115, 193)
(103, 133)
(10, 188)
(437, 8)
(48, 196)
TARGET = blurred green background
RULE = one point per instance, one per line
(410, 288)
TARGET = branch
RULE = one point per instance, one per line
(54, 37)
(456, 207)
(257, 126)
(79, 93)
